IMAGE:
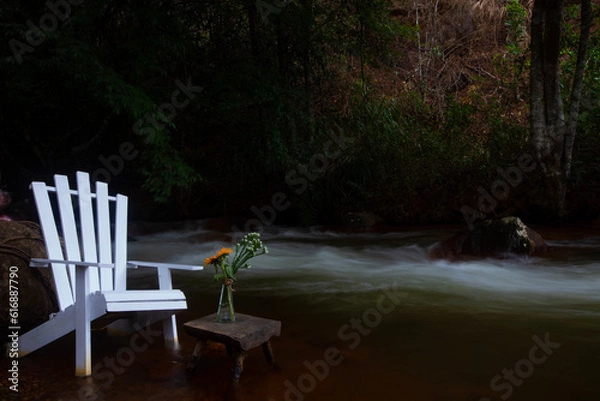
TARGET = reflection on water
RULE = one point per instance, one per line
(456, 333)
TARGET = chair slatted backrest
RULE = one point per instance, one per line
(90, 241)
(105, 253)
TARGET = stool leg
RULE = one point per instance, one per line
(196, 354)
(238, 366)
(268, 351)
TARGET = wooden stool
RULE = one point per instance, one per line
(240, 336)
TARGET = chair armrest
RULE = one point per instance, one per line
(134, 264)
(40, 262)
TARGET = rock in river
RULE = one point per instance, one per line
(491, 238)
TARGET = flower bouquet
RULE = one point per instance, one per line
(225, 270)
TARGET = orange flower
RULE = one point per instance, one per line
(222, 253)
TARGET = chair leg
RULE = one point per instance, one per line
(170, 324)
(83, 319)
(170, 332)
(62, 324)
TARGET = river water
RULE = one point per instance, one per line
(368, 316)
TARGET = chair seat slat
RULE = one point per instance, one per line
(145, 306)
(142, 295)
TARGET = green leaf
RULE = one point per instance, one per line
(229, 271)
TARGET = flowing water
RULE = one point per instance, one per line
(368, 316)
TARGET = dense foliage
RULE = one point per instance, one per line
(406, 109)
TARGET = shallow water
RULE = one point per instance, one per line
(402, 327)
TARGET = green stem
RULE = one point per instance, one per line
(239, 257)
(225, 275)
(230, 299)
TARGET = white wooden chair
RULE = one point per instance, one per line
(91, 275)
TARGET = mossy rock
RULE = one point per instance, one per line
(491, 238)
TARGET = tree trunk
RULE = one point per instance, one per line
(552, 135)
(282, 49)
(253, 24)
(306, 41)
(582, 56)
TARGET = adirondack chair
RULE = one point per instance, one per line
(91, 275)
